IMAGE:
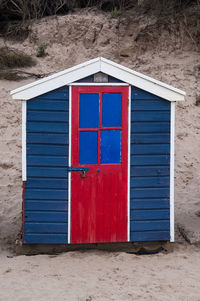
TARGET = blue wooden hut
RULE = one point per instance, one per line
(97, 156)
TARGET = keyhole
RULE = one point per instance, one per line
(83, 174)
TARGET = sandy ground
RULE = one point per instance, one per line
(100, 276)
(166, 55)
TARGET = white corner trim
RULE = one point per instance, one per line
(69, 164)
(75, 73)
(129, 153)
(172, 152)
(24, 140)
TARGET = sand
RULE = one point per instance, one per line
(164, 54)
(100, 276)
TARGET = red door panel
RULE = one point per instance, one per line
(100, 143)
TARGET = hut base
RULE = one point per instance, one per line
(141, 248)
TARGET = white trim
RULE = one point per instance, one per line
(69, 164)
(99, 84)
(172, 141)
(57, 80)
(142, 81)
(93, 66)
(58, 74)
(138, 74)
(24, 140)
(129, 153)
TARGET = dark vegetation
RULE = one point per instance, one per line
(16, 15)
(23, 10)
(11, 59)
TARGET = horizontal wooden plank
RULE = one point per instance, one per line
(150, 127)
(87, 79)
(47, 138)
(150, 105)
(150, 138)
(149, 192)
(45, 238)
(45, 205)
(46, 183)
(47, 127)
(45, 216)
(141, 215)
(149, 225)
(47, 149)
(149, 149)
(45, 105)
(148, 171)
(47, 161)
(112, 79)
(150, 115)
(137, 93)
(150, 159)
(47, 116)
(136, 182)
(45, 228)
(150, 236)
(149, 203)
(51, 172)
(59, 94)
(45, 194)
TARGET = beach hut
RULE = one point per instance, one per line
(97, 156)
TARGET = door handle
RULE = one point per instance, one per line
(83, 169)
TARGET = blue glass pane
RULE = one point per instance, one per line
(111, 109)
(111, 146)
(89, 111)
(88, 147)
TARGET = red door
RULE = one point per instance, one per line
(100, 144)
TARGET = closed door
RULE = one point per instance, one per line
(99, 145)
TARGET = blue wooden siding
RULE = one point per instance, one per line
(46, 188)
(150, 167)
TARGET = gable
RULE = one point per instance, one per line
(71, 75)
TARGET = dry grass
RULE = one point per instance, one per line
(13, 58)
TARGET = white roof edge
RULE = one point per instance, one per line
(155, 81)
(87, 68)
(45, 79)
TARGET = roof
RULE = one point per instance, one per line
(99, 64)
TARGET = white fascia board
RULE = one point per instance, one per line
(75, 73)
(142, 81)
(56, 80)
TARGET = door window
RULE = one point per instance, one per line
(89, 110)
(111, 109)
(100, 128)
(88, 147)
(110, 146)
